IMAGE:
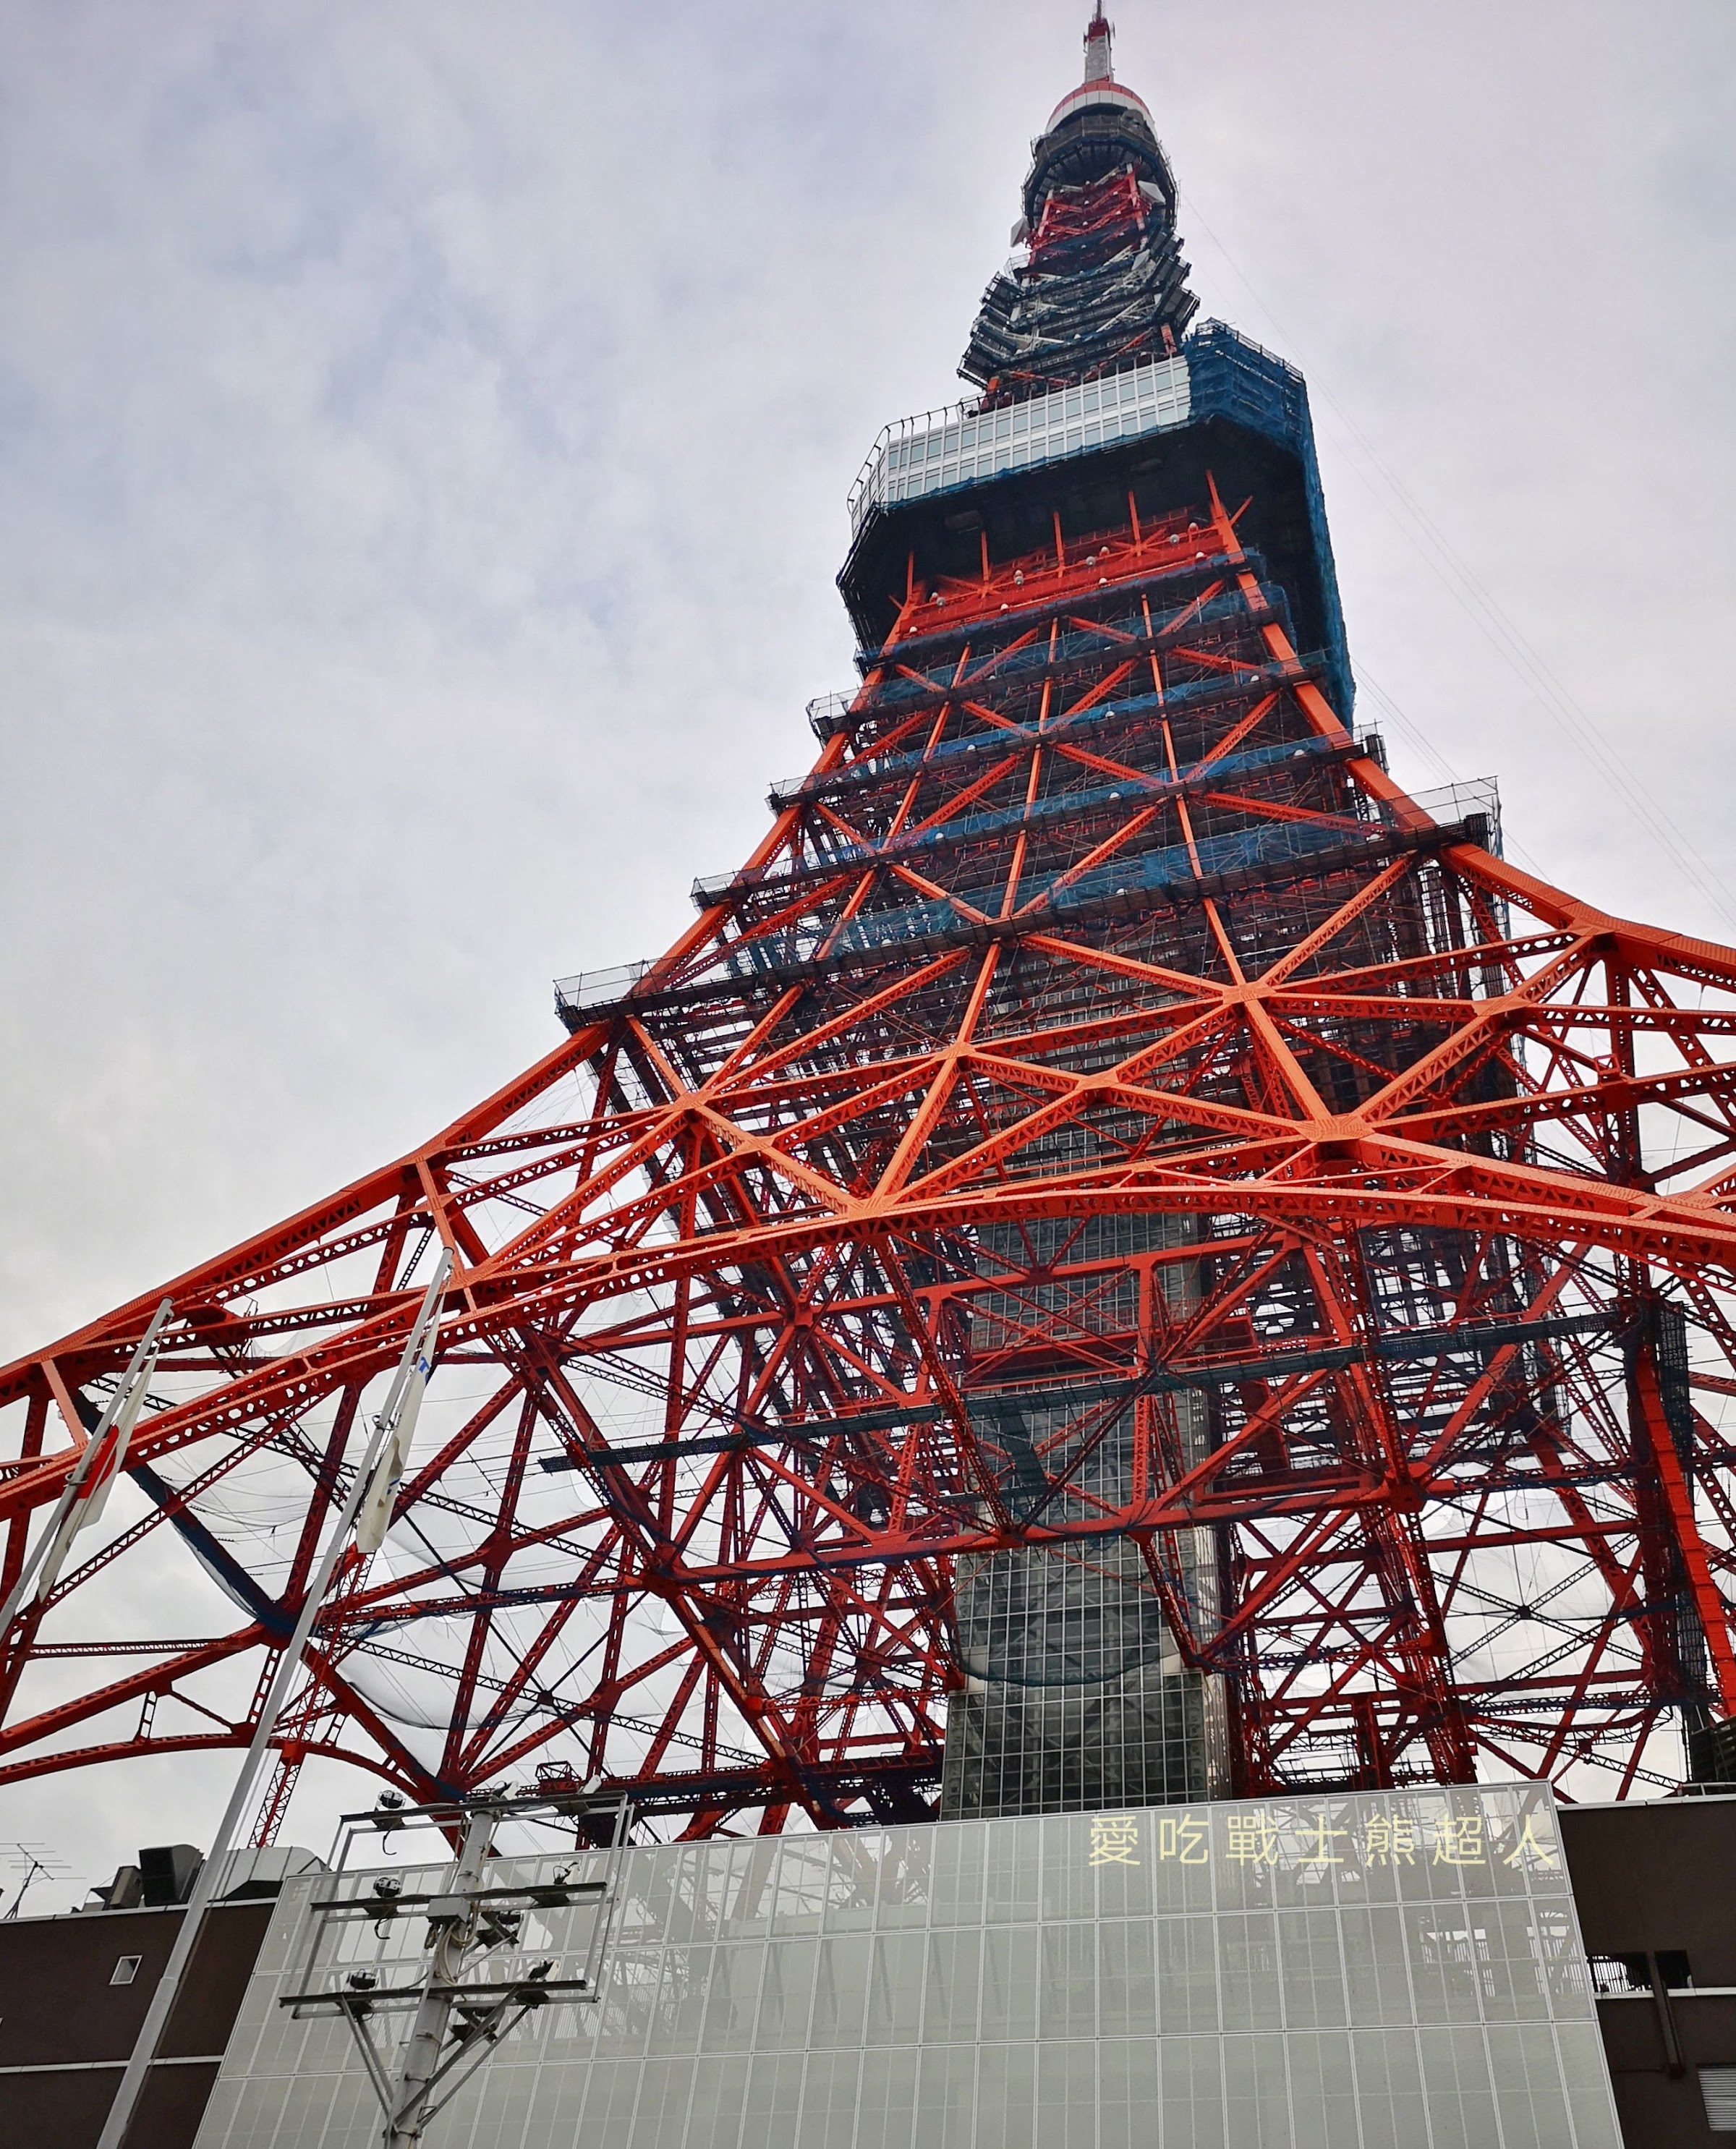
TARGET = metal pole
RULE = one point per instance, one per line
(408, 2116)
(139, 1368)
(150, 2035)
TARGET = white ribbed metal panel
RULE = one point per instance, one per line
(1400, 1969)
(940, 449)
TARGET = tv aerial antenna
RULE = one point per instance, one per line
(29, 1856)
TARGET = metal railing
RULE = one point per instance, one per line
(596, 988)
(963, 444)
(1452, 802)
(1628, 1976)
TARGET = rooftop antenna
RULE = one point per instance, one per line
(1099, 34)
(26, 1853)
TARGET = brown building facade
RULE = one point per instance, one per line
(74, 1991)
(1655, 1887)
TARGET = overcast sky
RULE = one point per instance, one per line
(423, 435)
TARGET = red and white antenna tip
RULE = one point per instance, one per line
(1099, 32)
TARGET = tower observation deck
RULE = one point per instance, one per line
(1121, 1256)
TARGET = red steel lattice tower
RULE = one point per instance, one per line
(1112, 1186)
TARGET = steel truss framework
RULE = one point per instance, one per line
(1091, 916)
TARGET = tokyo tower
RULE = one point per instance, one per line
(1122, 1256)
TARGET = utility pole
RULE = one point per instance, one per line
(453, 1919)
(471, 1992)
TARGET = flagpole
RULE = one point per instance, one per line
(138, 1370)
(413, 1368)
